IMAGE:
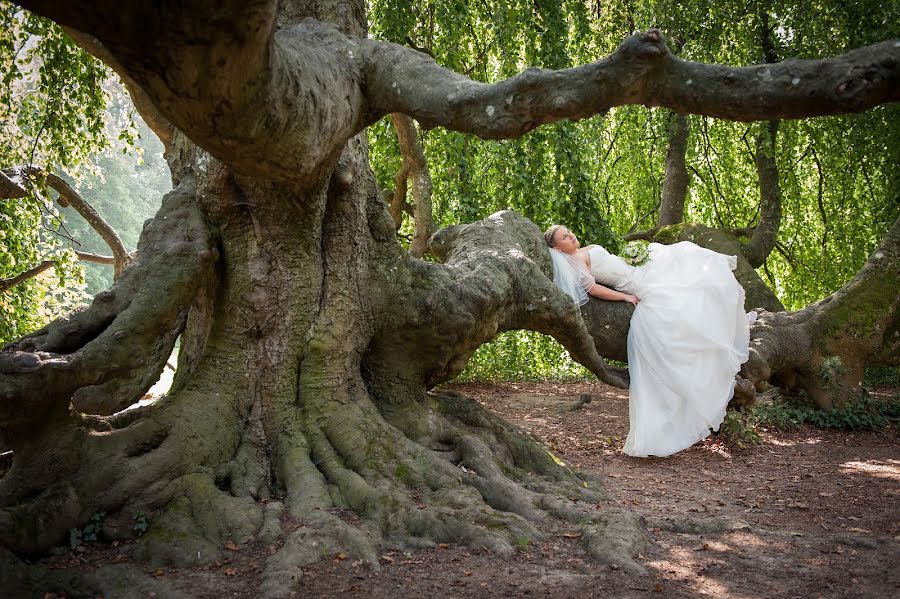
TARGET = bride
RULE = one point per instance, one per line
(688, 335)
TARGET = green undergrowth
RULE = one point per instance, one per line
(863, 412)
(522, 356)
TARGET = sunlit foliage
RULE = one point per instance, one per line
(603, 176)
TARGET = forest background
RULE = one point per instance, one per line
(838, 181)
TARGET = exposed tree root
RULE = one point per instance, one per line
(112, 351)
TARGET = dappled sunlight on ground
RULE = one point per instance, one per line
(806, 514)
(889, 469)
(771, 440)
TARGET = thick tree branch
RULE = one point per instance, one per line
(128, 329)
(151, 115)
(497, 277)
(641, 71)
(283, 103)
(9, 188)
(758, 294)
(855, 324)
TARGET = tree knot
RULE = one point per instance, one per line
(646, 46)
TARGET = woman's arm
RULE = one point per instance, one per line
(601, 292)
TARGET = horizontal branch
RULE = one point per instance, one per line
(96, 258)
(281, 103)
(9, 283)
(641, 71)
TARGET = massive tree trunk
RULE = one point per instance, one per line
(312, 346)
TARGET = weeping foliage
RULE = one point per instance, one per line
(604, 176)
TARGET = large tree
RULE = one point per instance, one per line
(311, 344)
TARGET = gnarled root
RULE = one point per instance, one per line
(106, 356)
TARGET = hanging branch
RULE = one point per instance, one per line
(819, 198)
(706, 147)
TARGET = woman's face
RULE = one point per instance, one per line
(565, 241)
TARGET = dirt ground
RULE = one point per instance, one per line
(807, 514)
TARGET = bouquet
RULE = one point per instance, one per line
(636, 253)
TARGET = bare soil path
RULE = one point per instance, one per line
(806, 514)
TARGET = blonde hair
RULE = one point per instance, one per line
(550, 233)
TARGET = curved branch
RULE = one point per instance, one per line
(856, 324)
(641, 71)
(69, 197)
(151, 115)
(495, 277)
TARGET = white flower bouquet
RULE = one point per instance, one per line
(636, 253)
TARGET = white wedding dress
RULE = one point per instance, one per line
(688, 337)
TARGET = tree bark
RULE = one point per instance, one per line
(765, 234)
(415, 168)
(312, 346)
(677, 178)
